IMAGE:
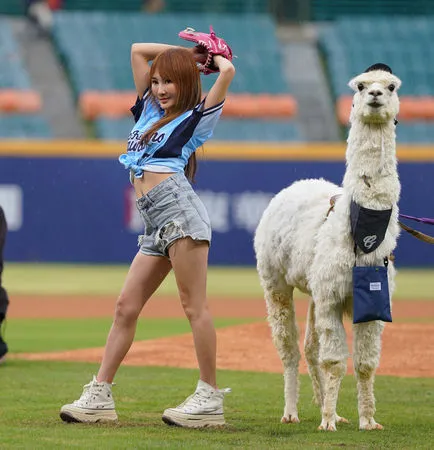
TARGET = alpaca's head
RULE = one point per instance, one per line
(376, 95)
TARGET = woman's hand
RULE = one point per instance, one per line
(222, 63)
(219, 89)
(200, 54)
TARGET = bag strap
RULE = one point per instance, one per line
(417, 234)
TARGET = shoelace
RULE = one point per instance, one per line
(195, 399)
(91, 390)
(198, 398)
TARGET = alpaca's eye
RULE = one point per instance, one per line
(360, 87)
(391, 87)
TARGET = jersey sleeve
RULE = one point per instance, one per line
(208, 120)
(144, 108)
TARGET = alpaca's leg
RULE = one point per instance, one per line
(366, 356)
(311, 353)
(333, 353)
(281, 317)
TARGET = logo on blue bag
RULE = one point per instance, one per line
(376, 286)
(369, 241)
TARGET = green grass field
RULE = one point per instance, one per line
(31, 392)
(53, 279)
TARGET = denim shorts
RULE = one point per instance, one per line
(171, 211)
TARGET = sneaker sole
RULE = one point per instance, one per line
(74, 416)
(193, 420)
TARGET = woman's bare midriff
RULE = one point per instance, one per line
(149, 180)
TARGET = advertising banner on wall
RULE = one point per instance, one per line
(77, 209)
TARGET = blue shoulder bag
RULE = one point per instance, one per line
(371, 300)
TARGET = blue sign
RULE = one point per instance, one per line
(83, 210)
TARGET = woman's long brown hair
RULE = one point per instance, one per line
(177, 64)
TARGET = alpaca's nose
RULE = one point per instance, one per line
(375, 93)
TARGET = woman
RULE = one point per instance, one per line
(171, 122)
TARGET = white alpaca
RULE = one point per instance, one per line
(298, 245)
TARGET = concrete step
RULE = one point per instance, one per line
(48, 77)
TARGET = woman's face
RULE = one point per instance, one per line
(165, 91)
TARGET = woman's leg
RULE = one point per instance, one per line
(144, 277)
(96, 403)
(205, 407)
(190, 262)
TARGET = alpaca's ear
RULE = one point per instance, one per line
(353, 84)
(398, 82)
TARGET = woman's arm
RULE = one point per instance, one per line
(141, 54)
(219, 89)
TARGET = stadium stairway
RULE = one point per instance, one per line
(303, 71)
(49, 79)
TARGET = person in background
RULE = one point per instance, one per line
(172, 121)
(153, 6)
(39, 12)
(4, 300)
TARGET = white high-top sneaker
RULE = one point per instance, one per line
(202, 409)
(96, 404)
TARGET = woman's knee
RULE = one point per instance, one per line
(126, 313)
(195, 311)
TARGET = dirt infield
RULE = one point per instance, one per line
(241, 347)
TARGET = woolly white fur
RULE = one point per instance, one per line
(298, 246)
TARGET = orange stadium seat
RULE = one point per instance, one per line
(117, 104)
(112, 104)
(260, 106)
(411, 108)
(20, 101)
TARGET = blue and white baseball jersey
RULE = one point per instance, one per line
(170, 147)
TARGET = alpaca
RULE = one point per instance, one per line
(301, 243)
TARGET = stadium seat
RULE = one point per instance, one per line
(174, 6)
(20, 105)
(114, 104)
(404, 43)
(12, 72)
(95, 47)
(226, 130)
(322, 10)
(19, 101)
(15, 126)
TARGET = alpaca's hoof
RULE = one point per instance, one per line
(340, 419)
(290, 419)
(369, 424)
(327, 426)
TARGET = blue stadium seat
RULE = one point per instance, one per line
(96, 47)
(415, 133)
(403, 43)
(12, 72)
(14, 126)
(226, 130)
(257, 130)
(351, 44)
